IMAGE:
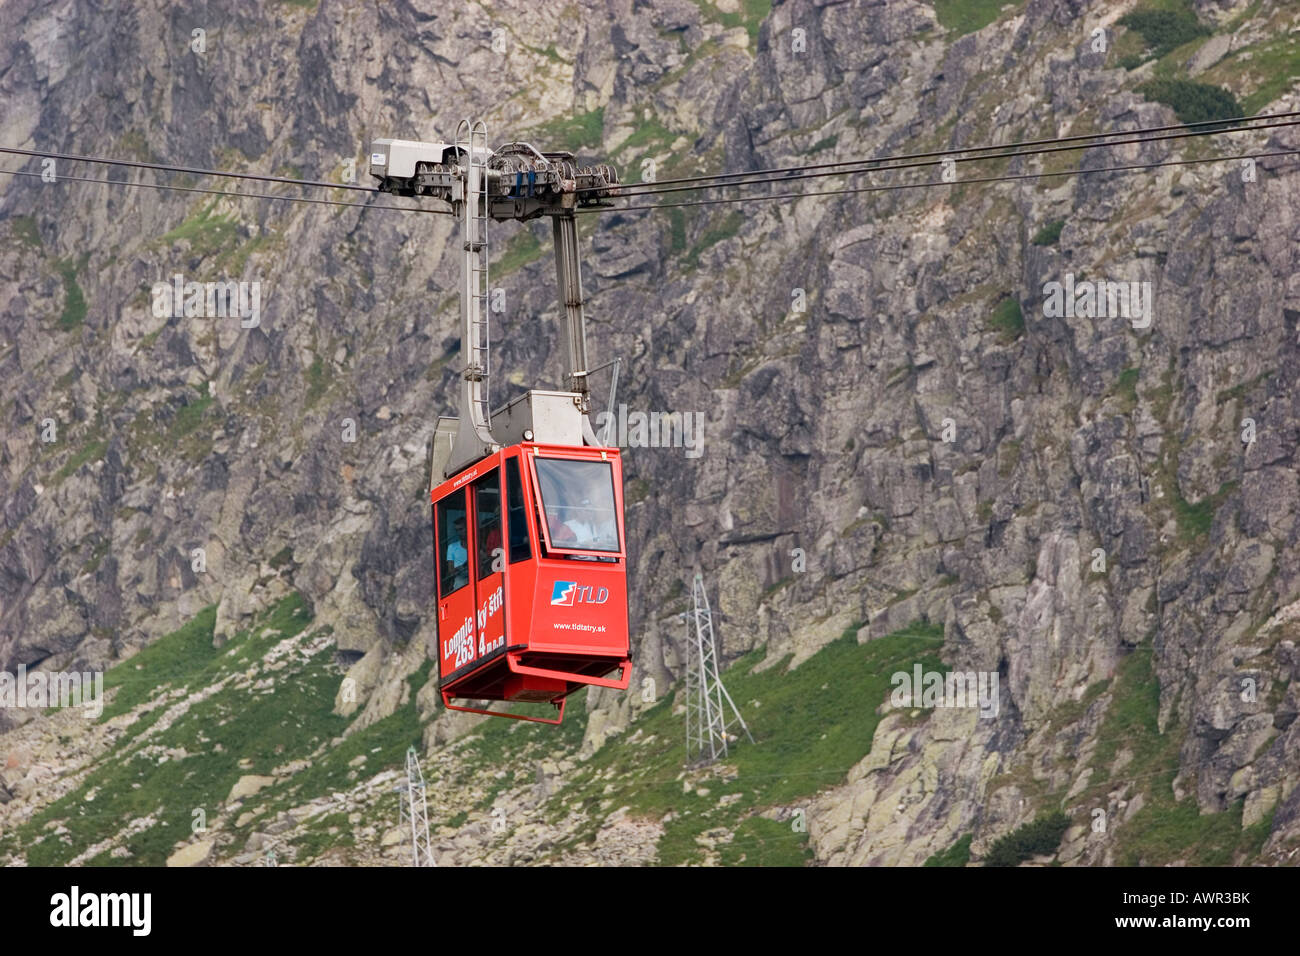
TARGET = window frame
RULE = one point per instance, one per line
(441, 508)
(512, 465)
(539, 503)
(481, 553)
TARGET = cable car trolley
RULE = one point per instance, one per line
(529, 544)
(532, 590)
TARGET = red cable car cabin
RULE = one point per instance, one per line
(531, 577)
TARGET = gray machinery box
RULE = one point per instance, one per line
(551, 418)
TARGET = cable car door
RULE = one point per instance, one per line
(489, 573)
(457, 646)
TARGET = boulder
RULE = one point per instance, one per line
(195, 854)
(248, 785)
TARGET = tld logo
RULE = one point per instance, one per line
(569, 593)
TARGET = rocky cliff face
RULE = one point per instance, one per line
(902, 442)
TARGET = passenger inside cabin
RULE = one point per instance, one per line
(579, 527)
(487, 506)
(491, 557)
(561, 534)
(458, 555)
(492, 540)
(606, 534)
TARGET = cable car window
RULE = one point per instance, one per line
(520, 550)
(453, 544)
(578, 502)
(487, 509)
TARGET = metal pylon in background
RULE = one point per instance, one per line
(707, 723)
(415, 809)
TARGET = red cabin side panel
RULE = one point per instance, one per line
(460, 597)
(580, 608)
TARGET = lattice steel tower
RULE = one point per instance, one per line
(415, 808)
(707, 724)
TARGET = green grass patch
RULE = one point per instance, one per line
(232, 261)
(189, 417)
(1007, 320)
(210, 233)
(584, 131)
(759, 841)
(384, 744)
(206, 229)
(1126, 387)
(719, 232)
(147, 342)
(74, 301)
(1164, 832)
(751, 15)
(317, 382)
(319, 839)
(193, 763)
(811, 725)
(1065, 714)
(772, 589)
(550, 52)
(1008, 462)
(1271, 69)
(651, 136)
(91, 452)
(25, 231)
(676, 231)
(637, 490)
(1132, 716)
(967, 16)
(901, 595)
(184, 433)
(1237, 392)
(96, 556)
(1049, 234)
(171, 658)
(522, 248)
(1195, 520)
(956, 855)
